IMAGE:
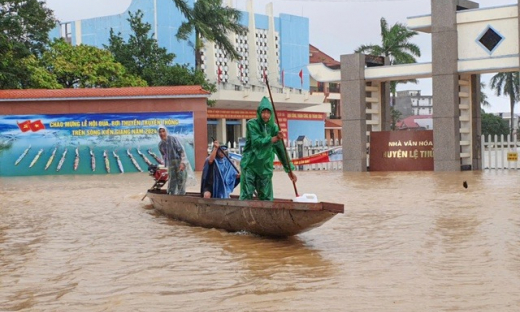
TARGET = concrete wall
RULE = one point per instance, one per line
(77, 106)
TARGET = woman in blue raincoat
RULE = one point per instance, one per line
(219, 176)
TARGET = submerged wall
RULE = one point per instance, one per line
(39, 128)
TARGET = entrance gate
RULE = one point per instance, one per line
(466, 42)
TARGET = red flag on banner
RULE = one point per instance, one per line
(301, 76)
(219, 73)
(283, 78)
(24, 126)
(36, 125)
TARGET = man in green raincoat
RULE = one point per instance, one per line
(263, 139)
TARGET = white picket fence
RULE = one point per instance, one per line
(495, 150)
(313, 147)
(494, 153)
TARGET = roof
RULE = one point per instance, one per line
(103, 93)
(322, 73)
(317, 56)
(333, 123)
(409, 122)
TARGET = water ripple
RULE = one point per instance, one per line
(415, 241)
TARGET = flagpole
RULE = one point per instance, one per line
(280, 129)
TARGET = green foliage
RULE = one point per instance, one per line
(24, 29)
(86, 67)
(40, 77)
(181, 75)
(483, 96)
(396, 45)
(141, 55)
(212, 21)
(507, 84)
(492, 125)
(183, 7)
(396, 116)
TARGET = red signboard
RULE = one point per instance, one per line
(305, 116)
(231, 113)
(283, 116)
(246, 114)
(401, 150)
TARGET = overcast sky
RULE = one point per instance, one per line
(336, 26)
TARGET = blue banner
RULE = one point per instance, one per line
(87, 143)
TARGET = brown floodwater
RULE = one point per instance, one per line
(412, 241)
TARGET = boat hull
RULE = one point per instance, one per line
(278, 218)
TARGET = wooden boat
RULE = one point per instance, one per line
(278, 218)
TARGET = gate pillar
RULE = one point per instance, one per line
(365, 108)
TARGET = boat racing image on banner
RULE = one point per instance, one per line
(87, 143)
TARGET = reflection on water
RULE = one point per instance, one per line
(415, 241)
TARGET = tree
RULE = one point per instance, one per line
(86, 67)
(181, 75)
(493, 125)
(483, 96)
(24, 31)
(396, 116)
(183, 7)
(507, 84)
(141, 55)
(211, 21)
(396, 45)
(40, 77)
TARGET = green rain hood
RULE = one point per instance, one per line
(258, 153)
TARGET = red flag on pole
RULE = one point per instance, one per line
(264, 76)
(219, 73)
(283, 78)
(301, 76)
(24, 126)
(36, 125)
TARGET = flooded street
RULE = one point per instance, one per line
(411, 241)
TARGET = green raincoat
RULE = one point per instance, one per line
(258, 155)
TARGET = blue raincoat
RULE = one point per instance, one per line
(220, 177)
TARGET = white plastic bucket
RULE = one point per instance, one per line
(306, 198)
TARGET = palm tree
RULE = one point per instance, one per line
(211, 21)
(183, 7)
(483, 96)
(396, 45)
(507, 84)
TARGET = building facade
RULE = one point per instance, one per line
(412, 103)
(319, 85)
(275, 48)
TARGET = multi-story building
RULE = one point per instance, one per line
(329, 89)
(274, 47)
(412, 103)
